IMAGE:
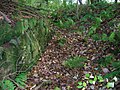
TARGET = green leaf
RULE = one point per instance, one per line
(98, 20)
(8, 85)
(79, 87)
(84, 84)
(61, 23)
(104, 37)
(95, 78)
(92, 30)
(96, 37)
(20, 79)
(91, 81)
(87, 75)
(100, 78)
(57, 88)
(110, 85)
(80, 83)
(71, 22)
(111, 37)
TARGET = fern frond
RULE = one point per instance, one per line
(7, 85)
(20, 79)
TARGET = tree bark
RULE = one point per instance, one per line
(80, 1)
(116, 1)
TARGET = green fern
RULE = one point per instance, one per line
(10, 85)
(75, 62)
(116, 64)
(21, 79)
(7, 85)
(106, 60)
(116, 72)
(112, 74)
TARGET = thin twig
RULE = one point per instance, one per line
(28, 13)
(5, 17)
(77, 10)
(40, 85)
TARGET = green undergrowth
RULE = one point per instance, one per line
(96, 79)
(99, 21)
(21, 45)
(74, 62)
(20, 52)
(11, 84)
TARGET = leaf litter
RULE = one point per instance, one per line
(50, 72)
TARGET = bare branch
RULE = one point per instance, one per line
(5, 17)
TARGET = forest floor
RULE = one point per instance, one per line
(51, 73)
(73, 39)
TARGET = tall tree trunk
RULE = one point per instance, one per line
(92, 1)
(80, 1)
(116, 1)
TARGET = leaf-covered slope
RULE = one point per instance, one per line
(94, 36)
